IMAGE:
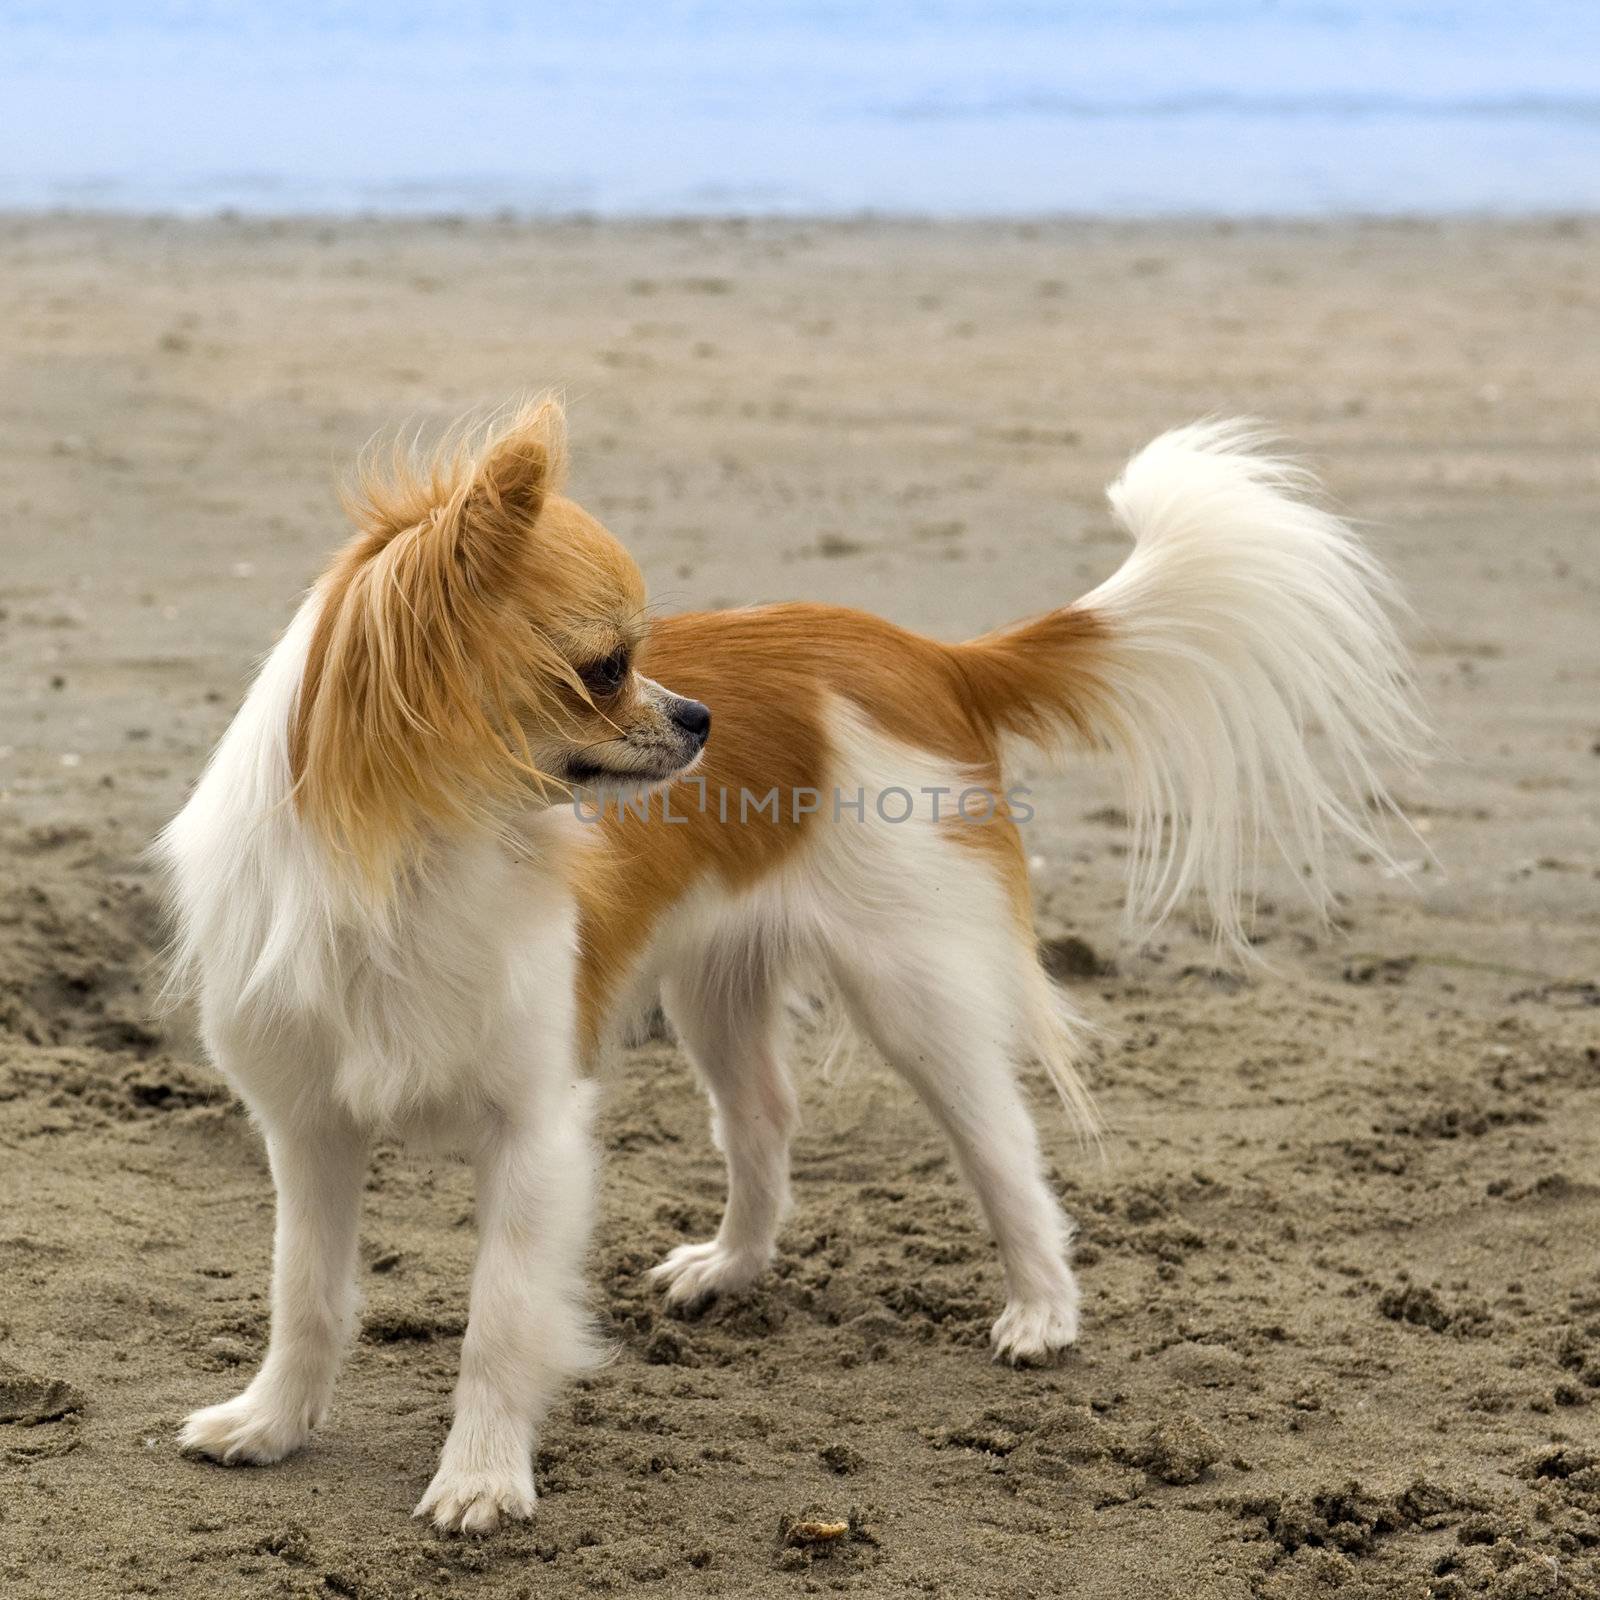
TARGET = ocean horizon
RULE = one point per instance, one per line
(928, 107)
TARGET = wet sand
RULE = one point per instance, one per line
(1340, 1257)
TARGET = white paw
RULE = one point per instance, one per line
(247, 1429)
(1034, 1330)
(475, 1499)
(695, 1273)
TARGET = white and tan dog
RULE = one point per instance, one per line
(396, 924)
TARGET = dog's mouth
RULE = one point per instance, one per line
(665, 746)
(584, 772)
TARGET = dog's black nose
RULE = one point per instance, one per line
(693, 718)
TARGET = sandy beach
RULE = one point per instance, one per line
(1340, 1255)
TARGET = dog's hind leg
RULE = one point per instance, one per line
(729, 1023)
(952, 1017)
(318, 1162)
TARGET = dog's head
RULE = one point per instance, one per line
(473, 653)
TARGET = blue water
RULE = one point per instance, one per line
(665, 106)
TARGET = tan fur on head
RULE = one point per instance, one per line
(439, 656)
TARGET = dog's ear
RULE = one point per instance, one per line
(422, 656)
(511, 477)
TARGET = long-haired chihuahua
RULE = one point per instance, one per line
(396, 922)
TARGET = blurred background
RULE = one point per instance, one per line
(803, 106)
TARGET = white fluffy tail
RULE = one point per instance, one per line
(1245, 617)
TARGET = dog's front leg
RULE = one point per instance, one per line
(317, 1165)
(527, 1329)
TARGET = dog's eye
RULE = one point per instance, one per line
(607, 675)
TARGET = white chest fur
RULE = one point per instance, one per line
(457, 996)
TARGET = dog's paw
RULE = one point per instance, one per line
(1030, 1331)
(476, 1500)
(246, 1430)
(696, 1273)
